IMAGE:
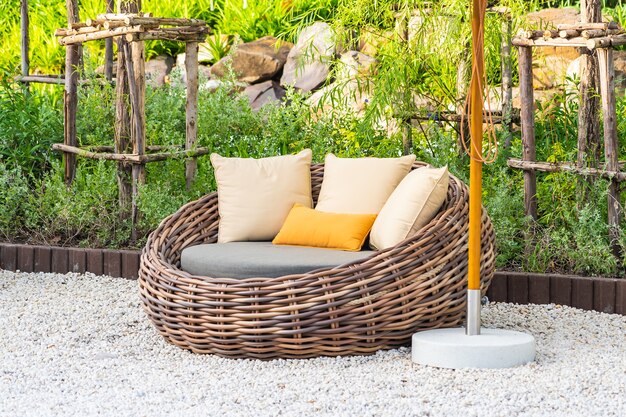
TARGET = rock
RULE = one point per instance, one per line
(307, 65)
(354, 64)
(100, 69)
(264, 93)
(549, 71)
(430, 28)
(550, 63)
(619, 59)
(103, 356)
(371, 40)
(204, 53)
(157, 69)
(543, 97)
(354, 95)
(203, 70)
(619, 62)
(256, 61)
(550, 18)
(212, 85)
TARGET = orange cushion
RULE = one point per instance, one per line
(308, 227)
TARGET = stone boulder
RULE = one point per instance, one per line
(372, 40)
(550, 70)
(255, 61)
(541, 97)
(203, 70)
(354, 64)
(157, 70)
(619, 61)
(550, 18)
(308, 63)
(550, 63)
(352, 67)
(100, 69)
(350, 94)
(264, 93)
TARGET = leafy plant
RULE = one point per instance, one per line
(30, 123)
(14, 189)
(217, 45)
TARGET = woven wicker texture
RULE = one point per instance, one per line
(352, 309)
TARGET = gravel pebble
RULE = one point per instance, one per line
(80, 345)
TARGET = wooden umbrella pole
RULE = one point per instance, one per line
(476, 132)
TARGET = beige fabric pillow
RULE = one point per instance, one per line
(410, 207)
(255, 195)
(360, 185)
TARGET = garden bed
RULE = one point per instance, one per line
(607, 295)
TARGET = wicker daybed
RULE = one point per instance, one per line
(353, 309)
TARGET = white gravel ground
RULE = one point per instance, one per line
(80, 345)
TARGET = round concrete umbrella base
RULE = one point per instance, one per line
(492, 348)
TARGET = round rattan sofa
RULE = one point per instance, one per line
(353, 309)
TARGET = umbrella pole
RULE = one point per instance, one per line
(476, 135)
(468, 348)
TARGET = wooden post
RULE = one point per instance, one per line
(70, 96)
(191, 109)
(122, 131)
(528, 128)
(135, 71)
(507, 80)
(134, 55)
(607, 88)
(25, 39)
(588, 121)
(139, 113)
(108, 49)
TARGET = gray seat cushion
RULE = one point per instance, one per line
(261, 259)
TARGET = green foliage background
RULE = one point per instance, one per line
(569, 236)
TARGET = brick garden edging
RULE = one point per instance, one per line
(28, 258)
(607, 295)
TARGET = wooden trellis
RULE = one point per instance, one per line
(599, 39)
(130, 29)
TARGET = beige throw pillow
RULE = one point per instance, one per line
(410, 207)
(255, 195)
(360, 185)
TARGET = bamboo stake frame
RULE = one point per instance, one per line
(130, 151)
(602, 45)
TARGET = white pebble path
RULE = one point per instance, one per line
(80, 345)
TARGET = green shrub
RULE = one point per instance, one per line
(30, 123)
(506, 209)
(95, 120)
(14, 190)
(85, 214)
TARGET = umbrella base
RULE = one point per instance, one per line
(492, 348)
